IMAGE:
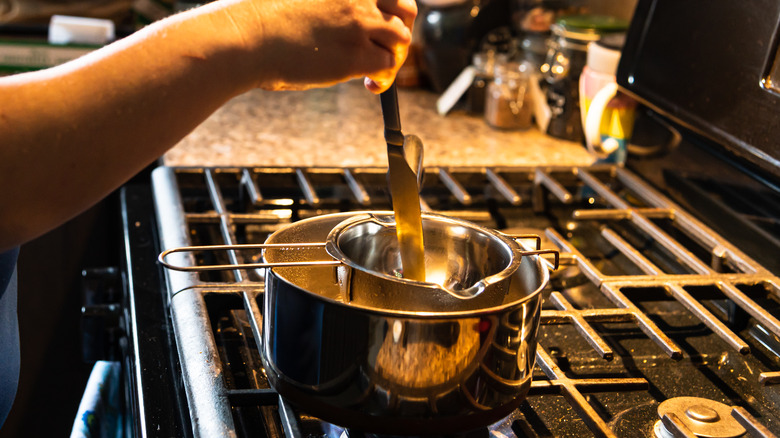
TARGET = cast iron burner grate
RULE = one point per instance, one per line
(649, 303)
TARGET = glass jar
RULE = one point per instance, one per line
(484, 65)
(507, 103)
(563, 65)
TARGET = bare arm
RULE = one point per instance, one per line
(71, 134)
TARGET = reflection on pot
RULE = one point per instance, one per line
(421, 354)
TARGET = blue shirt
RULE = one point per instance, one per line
(9, 333)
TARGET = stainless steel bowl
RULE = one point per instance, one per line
(388, 368)
(466, 266)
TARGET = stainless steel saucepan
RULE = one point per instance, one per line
(361, 356)
(349, 340)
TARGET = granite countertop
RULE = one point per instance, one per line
(342, 126)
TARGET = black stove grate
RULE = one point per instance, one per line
(648, 304)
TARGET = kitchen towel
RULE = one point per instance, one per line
(99, 414)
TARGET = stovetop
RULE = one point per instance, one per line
(649, 305)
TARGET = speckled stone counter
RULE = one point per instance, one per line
(342, 126)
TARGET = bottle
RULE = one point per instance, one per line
(607, 114)
(566, 57)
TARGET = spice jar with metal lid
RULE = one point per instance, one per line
(566, 57)
(507, 104)
(497, 47)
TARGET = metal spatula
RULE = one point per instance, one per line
(404, 190)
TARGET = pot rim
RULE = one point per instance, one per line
(536, 259)
(333, 249)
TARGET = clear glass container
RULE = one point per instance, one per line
(484, 64)
(565, 60)
(507, 102)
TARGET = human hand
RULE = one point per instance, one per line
(381, 81)
(302, 44)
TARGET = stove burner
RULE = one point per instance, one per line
(699, 416)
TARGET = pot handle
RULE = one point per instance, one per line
(537, 251)
(554, 252)
(162, 257)
(536, 238)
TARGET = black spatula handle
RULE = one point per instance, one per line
(392, 118)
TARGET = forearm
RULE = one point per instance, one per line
(71, 134)
(74, 133)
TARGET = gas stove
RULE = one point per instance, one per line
(662, 319)
(652, 322)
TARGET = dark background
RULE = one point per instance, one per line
(53, 374)
(704, 68)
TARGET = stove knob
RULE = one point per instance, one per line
(101, 314)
